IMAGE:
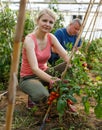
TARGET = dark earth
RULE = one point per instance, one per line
(24, 119)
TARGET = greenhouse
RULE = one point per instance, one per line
(50, 64)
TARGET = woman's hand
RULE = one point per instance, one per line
(53, 82)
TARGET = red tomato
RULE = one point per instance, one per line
(53, 93)
(84, 64)
(70, 102)
(50, 98)
(53, 97)
(57, 95)
(65, 81)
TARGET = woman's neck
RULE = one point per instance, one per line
(39, 34)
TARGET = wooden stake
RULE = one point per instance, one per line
(13, 82)
(94, 21)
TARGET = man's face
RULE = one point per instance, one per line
(74, 28)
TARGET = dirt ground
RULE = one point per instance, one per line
(70, 121)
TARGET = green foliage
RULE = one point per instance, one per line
(8, 20)
(86, 104)
(94, 55)
(98, 107)
(98, 110)
(95, 49)
(60, 18)
(75, 77)
(7, 28)
(21, 121)
(61, 104)
(67, 90)
(29, 24)
(78, 76)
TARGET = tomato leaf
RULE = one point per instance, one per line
(61, 104)
(98, 110)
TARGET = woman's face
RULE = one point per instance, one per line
(46, 23)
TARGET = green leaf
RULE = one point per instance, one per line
(86, 104)
(72, 98)
(98, 78)
(64, 89)
(98, 110)
(61, 104)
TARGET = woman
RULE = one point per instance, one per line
(35, 54)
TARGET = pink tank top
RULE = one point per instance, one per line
(42, 57)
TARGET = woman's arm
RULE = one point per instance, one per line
(31, 56)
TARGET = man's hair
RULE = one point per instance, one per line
(76, 20)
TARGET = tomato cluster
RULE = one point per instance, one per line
(52, 97)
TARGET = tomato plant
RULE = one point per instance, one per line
(76, 77)
(7, 28)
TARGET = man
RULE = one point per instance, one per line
(67, 36)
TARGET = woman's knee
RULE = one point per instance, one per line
(40, 94)
(35, 89)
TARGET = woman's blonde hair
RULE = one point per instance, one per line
(46, 11)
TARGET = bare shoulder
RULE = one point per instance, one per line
(51, 35)
(28, 42)
(53, 38)
(28, 39)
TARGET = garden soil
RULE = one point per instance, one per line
(25, 119)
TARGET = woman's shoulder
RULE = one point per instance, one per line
(31, 35)
(29, 39)
(51, 35)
